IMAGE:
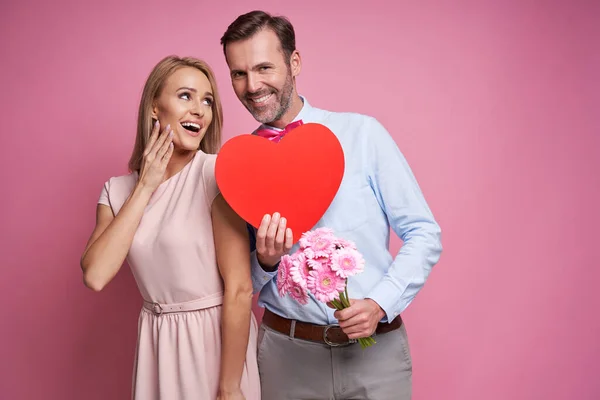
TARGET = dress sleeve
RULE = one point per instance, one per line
(104, 194)
(210, 182)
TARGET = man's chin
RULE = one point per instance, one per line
(262, 117)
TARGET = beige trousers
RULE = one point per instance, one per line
(296, 369)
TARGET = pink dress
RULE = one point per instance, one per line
(173, 260)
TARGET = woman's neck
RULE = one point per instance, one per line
(179, 159)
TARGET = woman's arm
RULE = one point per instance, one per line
(111, 239)
(233, 260)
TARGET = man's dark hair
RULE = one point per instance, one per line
(246, 25)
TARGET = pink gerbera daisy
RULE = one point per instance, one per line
(323, 247)
(308, 239)
(283, 275)
(344, 244)
(298, 293)
(325, 285)
(299, 269)
(319, 262)
(347, 262)
(308, 253)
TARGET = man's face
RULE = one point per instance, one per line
(261, 77)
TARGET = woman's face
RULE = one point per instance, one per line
(185, 104)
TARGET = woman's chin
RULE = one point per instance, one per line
(188, 144)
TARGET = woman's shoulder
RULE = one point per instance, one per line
(122, 182)
(116, 190)
(204, 163)
(205, 158)
(206, 167)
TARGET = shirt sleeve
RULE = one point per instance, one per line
(409, 216)
(260, 277)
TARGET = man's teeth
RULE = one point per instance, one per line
(191, 125)
(261, 99)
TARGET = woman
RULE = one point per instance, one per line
(186, 248)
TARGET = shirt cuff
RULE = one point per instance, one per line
(260, 277)
(387, 295)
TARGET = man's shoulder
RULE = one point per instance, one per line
(344, 116)
(348, 123)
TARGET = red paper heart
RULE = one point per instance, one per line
(297, 177)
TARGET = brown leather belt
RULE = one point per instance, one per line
(331, 335)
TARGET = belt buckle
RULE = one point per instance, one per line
(329, 342)
(157, 309)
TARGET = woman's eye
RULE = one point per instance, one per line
(208, 102)
(185, 96)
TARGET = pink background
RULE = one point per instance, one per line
(492, 103)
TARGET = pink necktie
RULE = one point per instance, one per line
(276, 136)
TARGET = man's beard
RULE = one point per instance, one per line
(280, 107)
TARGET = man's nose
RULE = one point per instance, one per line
(252, 83)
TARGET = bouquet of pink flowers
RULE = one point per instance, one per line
(321, 266)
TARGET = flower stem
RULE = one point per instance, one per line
(344, 302)
(344, 296)
(337, 304)
(366, 342)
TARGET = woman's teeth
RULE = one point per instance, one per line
(192, 126)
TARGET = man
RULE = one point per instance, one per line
(308, 352)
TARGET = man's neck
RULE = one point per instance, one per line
(291, 113)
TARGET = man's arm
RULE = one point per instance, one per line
(411, 219)
(272, 240)
(260, 277)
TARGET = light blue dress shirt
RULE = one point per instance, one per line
(378, 191)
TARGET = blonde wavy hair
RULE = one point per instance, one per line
(211, 142)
